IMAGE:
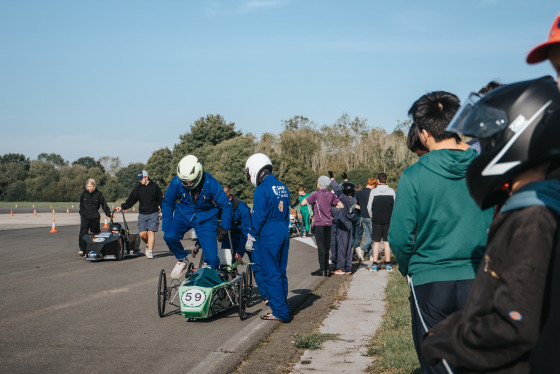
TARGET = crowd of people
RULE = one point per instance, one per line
(473, 225)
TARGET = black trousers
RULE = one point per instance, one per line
(86, 225)
(436, 301)
(323, 238)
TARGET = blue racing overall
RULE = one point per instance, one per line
(183, 209)
(271, 206)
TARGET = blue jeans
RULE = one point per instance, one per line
(366, 226)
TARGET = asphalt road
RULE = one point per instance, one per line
(61, 314)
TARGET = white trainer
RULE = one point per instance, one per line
(149, 253)
(80, 253)
(360, 253)
(178, 269)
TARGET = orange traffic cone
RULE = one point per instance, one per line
(53, 229)
(67, 211)
(53, 212)
(16, 206)
(133, 209)
(51, 206)
(72, 206)
(11, 212)
(105, 226)
(126, 210)
(34, 212)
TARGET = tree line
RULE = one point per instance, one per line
(300, 153)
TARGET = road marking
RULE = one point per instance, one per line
(308, 241)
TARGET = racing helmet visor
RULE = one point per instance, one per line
(477, 119)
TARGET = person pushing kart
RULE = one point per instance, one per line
(193, 200)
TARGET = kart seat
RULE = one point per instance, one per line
(204, 277)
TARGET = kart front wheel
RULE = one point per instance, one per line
(242, 294)
(162, 293)
(249, 273)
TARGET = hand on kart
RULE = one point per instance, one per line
(344, 176)
(221, 233)
(331, 174)
(195, 251)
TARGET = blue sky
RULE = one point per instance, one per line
(125, 78)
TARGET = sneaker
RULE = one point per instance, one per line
(360, 253)
(388, 267)
(318, 273)
(339, 272)
(178, 269)
(373, 268)
(149, 253)
(81, 253)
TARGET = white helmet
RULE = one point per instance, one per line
(254, 167)
(190, 171)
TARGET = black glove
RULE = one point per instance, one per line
(344, 175)
(331, 175)
(221, 233)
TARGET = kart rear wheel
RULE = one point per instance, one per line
(162, 293)
(241, 289)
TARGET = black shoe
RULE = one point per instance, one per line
(327, 273)
(318, 273)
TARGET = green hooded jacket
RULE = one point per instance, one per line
(437, 232)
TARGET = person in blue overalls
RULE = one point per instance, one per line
(194, 199)
(271, 208)
(240, 226)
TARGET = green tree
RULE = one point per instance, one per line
(127, 178)
(14, 157)
(206, 131)
(52, 158)
(15, 191)
(89, 162)
(160, 167)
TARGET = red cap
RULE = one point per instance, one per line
(540, 52)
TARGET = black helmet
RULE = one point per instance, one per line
(348, 188)
(116, 227)
(518, 126)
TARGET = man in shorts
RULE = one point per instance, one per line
(149, 196)
(380, 206)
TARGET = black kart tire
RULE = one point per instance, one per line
(162, 293)
(120, 253)
(241, 289)
(249, 273)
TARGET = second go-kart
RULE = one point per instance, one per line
(206, 292)
(115, 244)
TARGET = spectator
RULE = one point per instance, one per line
(270, 234)
(90, 202)
(322, 202)
(510, 322)
(194, 199)
(365, 218)
(345, 193)
(149, 209)
(357, 230)
(381, 207)
(437, 232)
(549, 50)
(305, 216)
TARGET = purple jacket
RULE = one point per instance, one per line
(322, 201)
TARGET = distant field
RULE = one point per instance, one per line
(55, 205)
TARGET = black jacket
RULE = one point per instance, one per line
(500, 324)
(149, 195)
(90, 203)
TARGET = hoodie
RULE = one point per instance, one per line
(380, 204)
(437, 232)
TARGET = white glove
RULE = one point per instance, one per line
(249, 243)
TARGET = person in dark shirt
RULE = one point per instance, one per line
(90, 201)
(149, 195)
(362, 197)
(382, 199)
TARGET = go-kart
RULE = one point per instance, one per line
(115, 244)
(294, 224)
(206, 292)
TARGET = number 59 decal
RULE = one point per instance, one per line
(193, 297)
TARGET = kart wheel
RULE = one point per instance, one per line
(249, 283)
(241, 289)
(162, 293)
(120, 252)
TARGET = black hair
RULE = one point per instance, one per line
(433, 112)
(382, 177)
(413, 140)
(489, 87)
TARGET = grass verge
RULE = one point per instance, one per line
(392, 344)
(313, 340)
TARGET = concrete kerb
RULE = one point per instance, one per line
(355, 321)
